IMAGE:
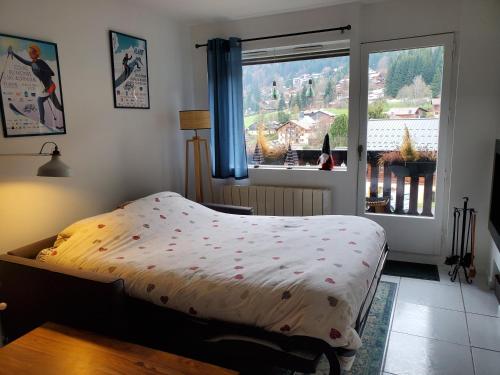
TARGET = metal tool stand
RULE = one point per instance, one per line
(462, 219)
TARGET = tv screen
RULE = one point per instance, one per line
(495, 198)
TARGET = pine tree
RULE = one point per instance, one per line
(291, 158)
(436, 83)
(409, 64)
(281, 103)
(302, 99)
(329, 92)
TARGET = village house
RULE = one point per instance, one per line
(342, 89)
(296, 132)
(407, 112)
(253, 129)
(436, 106)
(298, 82)
(321, 116)
(269, 128)
(272, 127)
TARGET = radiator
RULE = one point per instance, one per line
(276, 200)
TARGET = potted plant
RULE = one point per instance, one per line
(408, 161)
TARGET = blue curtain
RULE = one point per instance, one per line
(225, 88)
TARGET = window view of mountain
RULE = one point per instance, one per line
(293, 105)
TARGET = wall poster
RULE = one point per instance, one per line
(129, 59)
(30, 88)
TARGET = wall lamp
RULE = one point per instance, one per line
(54, 168)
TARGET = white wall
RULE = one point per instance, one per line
(477, 116)
(476, 85)
(115, 154)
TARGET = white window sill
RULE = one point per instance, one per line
(298, 168)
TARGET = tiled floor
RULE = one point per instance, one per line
(443, 328)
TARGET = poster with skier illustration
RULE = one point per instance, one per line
(30, 88)
(129, 58)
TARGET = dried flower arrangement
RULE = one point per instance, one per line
(407, 153)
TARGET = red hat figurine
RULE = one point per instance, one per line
(325, 160)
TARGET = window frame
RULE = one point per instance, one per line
(289, 54)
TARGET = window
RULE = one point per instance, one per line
(404, 110)
(291, 101)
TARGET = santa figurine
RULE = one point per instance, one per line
(325, 160)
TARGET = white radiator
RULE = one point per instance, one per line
(276, 200)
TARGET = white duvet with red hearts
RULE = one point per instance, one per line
(302, 276)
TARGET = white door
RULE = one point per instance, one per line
(404, 146)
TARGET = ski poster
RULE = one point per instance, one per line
(129, 59)
(30, 88)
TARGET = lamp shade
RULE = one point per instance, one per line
(194, 120)
(54, 168)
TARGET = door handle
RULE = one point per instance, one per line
(360, 152)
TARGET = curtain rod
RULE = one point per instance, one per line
(342, 29)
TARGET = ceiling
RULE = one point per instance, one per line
(205, 11)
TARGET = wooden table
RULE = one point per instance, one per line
(59, 350)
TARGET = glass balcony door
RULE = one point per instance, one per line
(404, 134)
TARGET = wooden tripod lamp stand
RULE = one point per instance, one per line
(197, 120)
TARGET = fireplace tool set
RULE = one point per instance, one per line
(464, 242)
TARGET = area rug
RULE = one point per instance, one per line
(412, 270)
(370, 356)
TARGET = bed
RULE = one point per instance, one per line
(290, 282)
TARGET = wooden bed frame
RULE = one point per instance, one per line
(37, 292)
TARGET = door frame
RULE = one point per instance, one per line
(447, 40)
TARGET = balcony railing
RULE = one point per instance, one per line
(389, 182)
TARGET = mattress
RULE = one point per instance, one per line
(305, 276)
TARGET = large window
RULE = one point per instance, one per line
(290, 103)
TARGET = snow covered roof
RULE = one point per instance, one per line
(387, 134)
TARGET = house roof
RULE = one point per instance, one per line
(387, 134)
(305, 122)
(313, 112)
(404, 111)
(273, 125)
(253, 127)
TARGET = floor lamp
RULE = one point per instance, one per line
(197, 120)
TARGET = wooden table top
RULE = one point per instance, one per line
(59, 350)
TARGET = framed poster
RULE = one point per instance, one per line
(30, 88)
(129, 63)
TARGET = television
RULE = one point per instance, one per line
(494, 224)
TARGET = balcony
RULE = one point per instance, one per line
(408, 188)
